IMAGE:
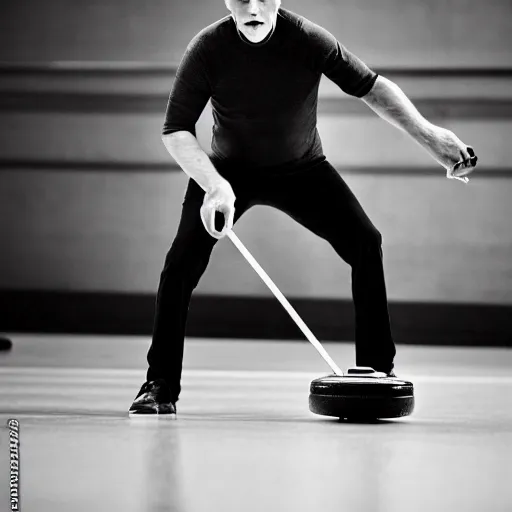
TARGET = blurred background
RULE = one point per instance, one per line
(90, 200)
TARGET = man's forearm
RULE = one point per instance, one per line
(189, 155)
(391, 104)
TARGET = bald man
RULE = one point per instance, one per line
(261, 68)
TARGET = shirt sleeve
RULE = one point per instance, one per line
(341, 66)
(189, 93)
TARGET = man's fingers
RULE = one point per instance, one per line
(466, 157)
(222, 215)
(467, 163)
(204, 217)
(469, 157)
(473, 158)
(211, 223)
(231, 216)
(229, 222)
(208, 218)
(228, 212)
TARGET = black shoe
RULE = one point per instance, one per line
(154, 398)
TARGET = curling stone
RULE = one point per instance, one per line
(361, 394)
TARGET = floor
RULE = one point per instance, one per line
(244, 439)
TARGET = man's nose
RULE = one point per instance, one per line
(254, 7)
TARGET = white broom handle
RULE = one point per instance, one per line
(282, 299)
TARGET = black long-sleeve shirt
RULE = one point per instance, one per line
(263, 95)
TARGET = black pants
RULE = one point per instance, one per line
(315, 195)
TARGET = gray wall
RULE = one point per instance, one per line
(89, 199)
(386, 32)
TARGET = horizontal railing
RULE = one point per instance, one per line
(143, 87)
(144, 68)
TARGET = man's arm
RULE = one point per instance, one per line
(189, 155)
(391, 104)
(219, 196)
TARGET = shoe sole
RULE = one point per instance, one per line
(163, 411)
(167, 416)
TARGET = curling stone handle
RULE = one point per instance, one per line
(364, 371)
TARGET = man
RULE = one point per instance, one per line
(261, 66)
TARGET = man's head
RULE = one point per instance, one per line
(255, 19)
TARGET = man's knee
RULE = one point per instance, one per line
(187, 260)
(364, 241)
(370, 237)
(375, 237)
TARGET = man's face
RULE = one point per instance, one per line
(254, 18)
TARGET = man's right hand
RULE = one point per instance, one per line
(220, 197)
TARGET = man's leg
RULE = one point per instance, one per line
(320, 200)
(184, 265)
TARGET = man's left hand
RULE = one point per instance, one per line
(457, 158)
